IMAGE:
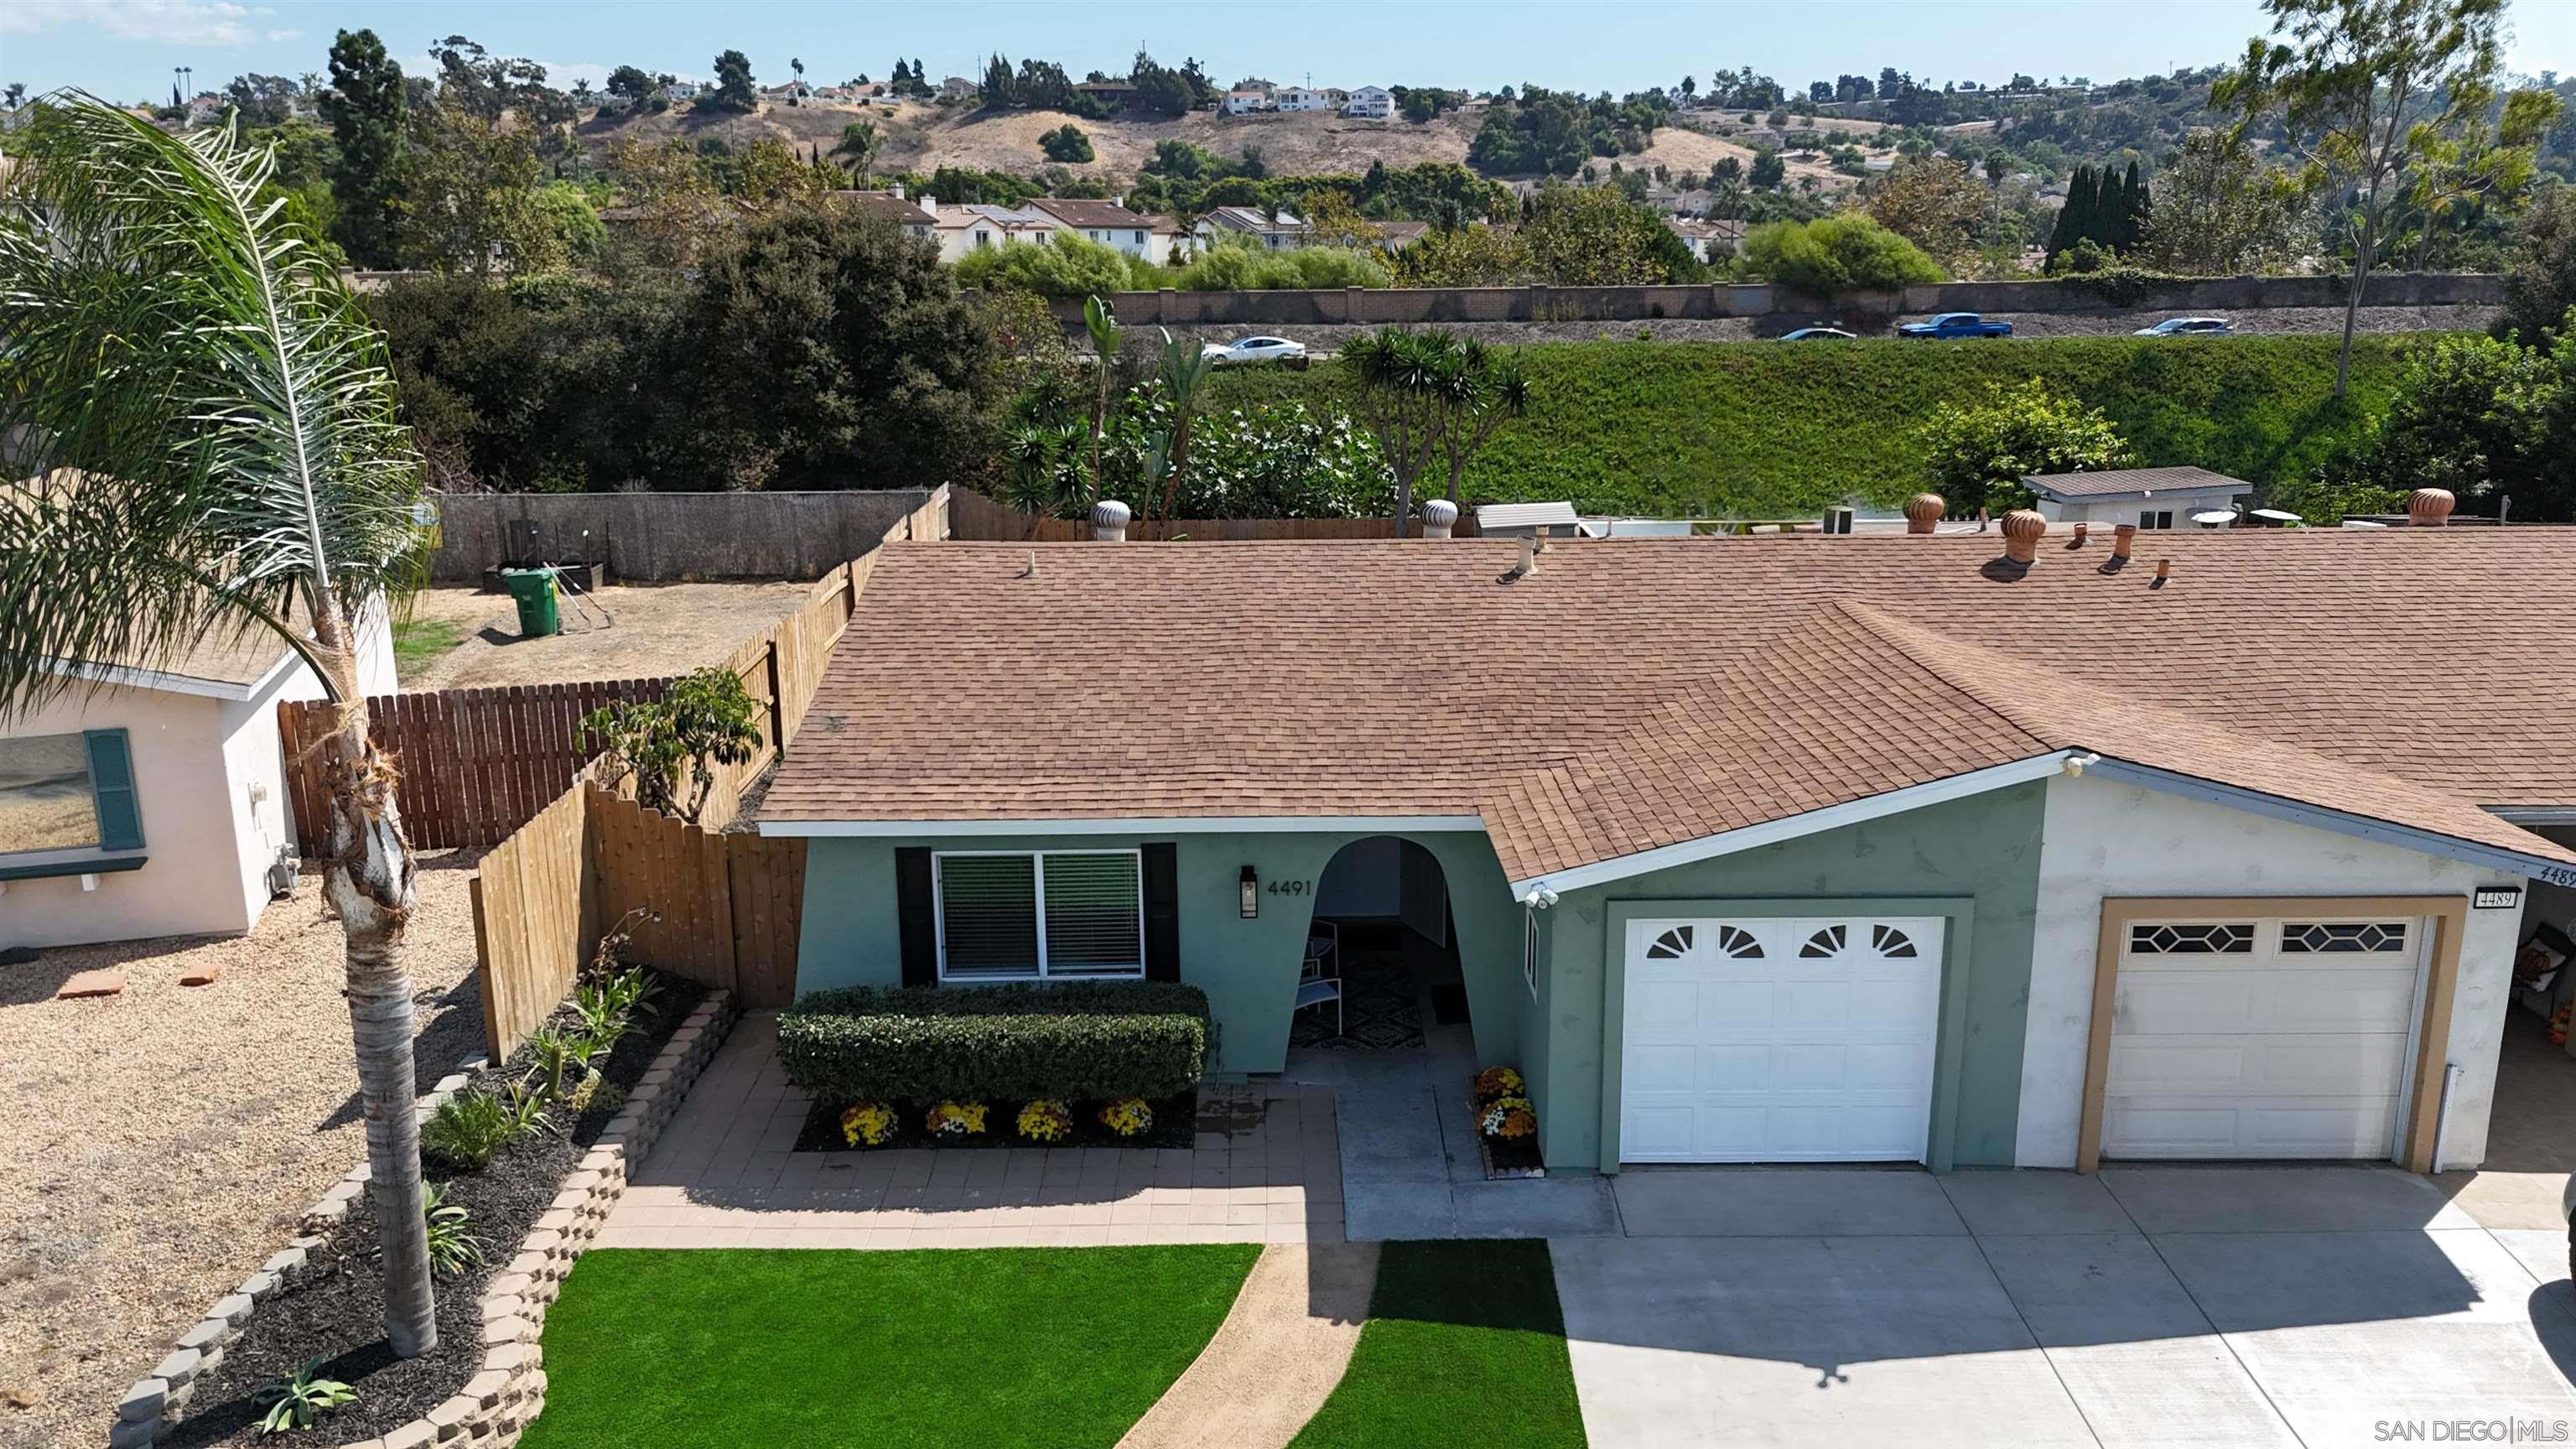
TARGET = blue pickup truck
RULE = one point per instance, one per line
(1956, 324)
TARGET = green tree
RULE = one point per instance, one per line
(365, 107)
(1101, 322)
(2540, 282)
(1934, 203)
(1767, 171)
(826, 349)
(1836, 254)
(2485, 165)
(672, 745)
(566, 209)
(2219, 211)
(1178, 381)
(2486, 419)
(1481, 389)
(860, 142)
(2368, 92)
(1976, 454)
(1066, 143)
(469, 196)
(1399, 379)
(242, 473)
(735, 90)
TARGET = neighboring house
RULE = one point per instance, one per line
(682, 90)
(1117, 95)
(1170, 242)
(975, 225)
(206, 108)
(1915, 855)
(1709, 241)
(157, 805)
(1105, 222)
(1252, 226)
(2147, 497)
(1395, 236)
(840, 95)
(1301, 98)
(1245, 102)
(788, 94)
(891, 206)
(959, 88)
(1371, 103)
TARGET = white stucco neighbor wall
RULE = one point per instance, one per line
(2104, 838)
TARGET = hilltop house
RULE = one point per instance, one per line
(2147, 497)
(1375, 103)
(1106, 222)
(1243, 102)
(1250, 225)
(1301, 98)
(1903, 864)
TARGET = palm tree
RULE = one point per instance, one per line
(1102, 324)
(182, 350)
(1182, 377)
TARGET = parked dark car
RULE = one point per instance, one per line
(1956, 324)
(1818, 333)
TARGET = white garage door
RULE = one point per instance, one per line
(2265, 1037)
(1787, 1040)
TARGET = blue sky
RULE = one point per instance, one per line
(126, 48)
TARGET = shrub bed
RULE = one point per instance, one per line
(1088, 1041)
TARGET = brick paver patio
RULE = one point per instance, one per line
(1266, 1168)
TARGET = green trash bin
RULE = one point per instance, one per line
(534, 592)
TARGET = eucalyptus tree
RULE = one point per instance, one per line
(2370, 93)
(214, 424)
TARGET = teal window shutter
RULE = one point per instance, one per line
(111, 783)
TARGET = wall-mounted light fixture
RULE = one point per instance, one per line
(1251, 893)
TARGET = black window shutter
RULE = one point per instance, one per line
(1162, 912)
(111, 783)
(917, 925)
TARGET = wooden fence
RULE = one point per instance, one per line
(714, 906)
(972, 516)
(722, 909)
(474, 764)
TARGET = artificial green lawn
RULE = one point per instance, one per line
(1781, 428)
(716, 1347)
(1464, 1345)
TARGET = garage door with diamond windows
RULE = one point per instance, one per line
(1780, 1040)
(2265, 1037)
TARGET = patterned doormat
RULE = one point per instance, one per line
(1381, 1008)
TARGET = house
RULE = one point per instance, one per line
(1709, 241)
(1375, 103)
(1395, 236)
(975, 225)
(959, 88)
(156, 806)
(891, 206)
(1170, 243)
(792, 93)
(1242, 101)
(1106, 222)
(2147, 497)
(1301, 98)
(1117, 95)
(1251, 226)
(1925, 855)
(840, 95)
(206, 108)
(685, 90)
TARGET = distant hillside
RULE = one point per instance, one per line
(922, 138)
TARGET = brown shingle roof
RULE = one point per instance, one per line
(1079, 212)
(885, 206)
(1637, 693)
(2116, 481)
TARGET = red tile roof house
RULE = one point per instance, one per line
(1796, 848)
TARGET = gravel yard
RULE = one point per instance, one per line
(157, 1145)
(630, 631)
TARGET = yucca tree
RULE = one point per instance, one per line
(215, 423)
(1401, 379)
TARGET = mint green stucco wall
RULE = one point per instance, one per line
(1983, 849)
(1248, 968)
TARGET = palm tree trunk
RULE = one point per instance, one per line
(368, 881)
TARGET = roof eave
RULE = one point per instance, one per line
(1119, 825)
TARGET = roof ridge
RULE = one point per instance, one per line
(1908, 639)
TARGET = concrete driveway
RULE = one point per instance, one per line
(2313, 1307)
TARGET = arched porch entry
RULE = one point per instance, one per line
(1382, 967)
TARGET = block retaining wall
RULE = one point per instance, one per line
(497, 1403)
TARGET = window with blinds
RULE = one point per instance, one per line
(1042, 914)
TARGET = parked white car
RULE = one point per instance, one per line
(1255, 349)
(2187, 327)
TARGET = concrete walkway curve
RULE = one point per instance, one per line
(1276, 1358)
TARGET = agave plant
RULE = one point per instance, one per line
(295, 1401)
(214, 422)
(451, 1247)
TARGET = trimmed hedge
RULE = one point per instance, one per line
(1085, 1041)
(1773, 429)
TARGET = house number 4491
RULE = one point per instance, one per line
(1289, 887)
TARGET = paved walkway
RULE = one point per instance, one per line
(724, 1175)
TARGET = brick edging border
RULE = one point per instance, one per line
(497, 1402)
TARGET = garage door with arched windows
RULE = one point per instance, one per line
(1787, 1039)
